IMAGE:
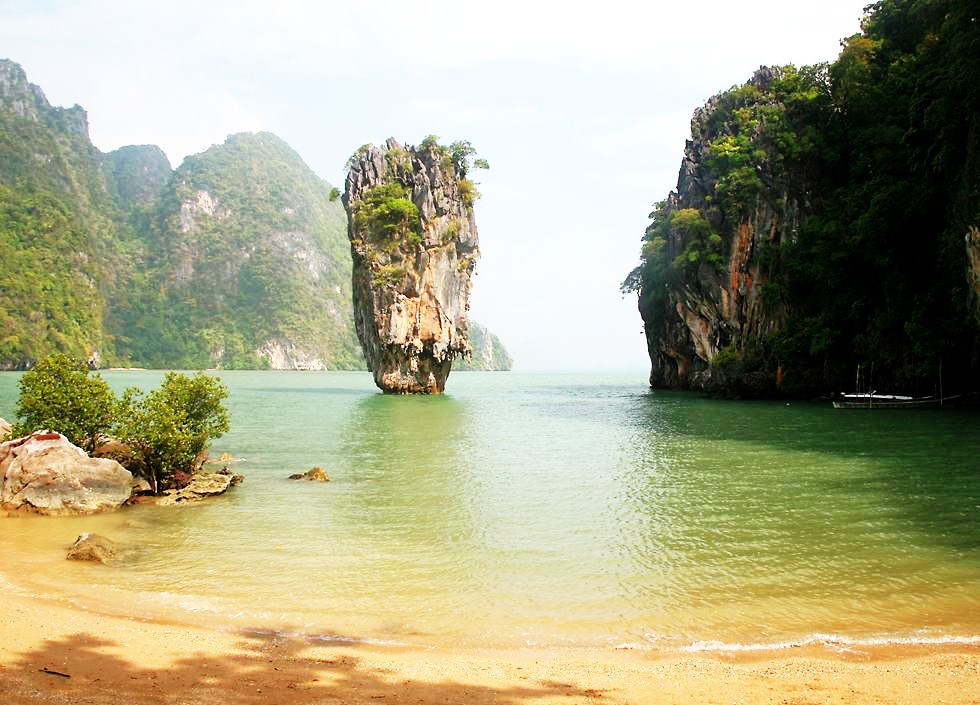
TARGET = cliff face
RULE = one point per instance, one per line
(414, 246)
(140, 173)
(708, 287)
(489, 354)
(250, 224)
(819, 218)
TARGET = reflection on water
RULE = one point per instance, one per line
(548, 508)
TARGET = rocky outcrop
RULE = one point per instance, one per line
(92, 547)
(201, 486)
(47, 474)
(707, 284)
(414, 245)
(316, 474)
(140, 174)
(4, 429)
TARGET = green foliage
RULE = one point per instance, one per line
(48, 299)
(355, 157)
(689, 227)
(167, 429)
(464, 158)
(389, 275)
(468, 192)
(387, 217)
(874, 158)
(269, 265)
(59, 394)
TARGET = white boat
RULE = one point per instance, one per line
(873, 400)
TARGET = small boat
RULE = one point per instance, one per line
(873, 400)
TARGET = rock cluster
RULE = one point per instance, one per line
(414, 246)
(45, 473)
(316, 474)
(92, 547)
(201, 486)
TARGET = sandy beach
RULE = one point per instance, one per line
(51, 652)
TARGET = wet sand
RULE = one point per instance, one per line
(52, 652)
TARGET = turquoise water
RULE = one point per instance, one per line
(547, 509)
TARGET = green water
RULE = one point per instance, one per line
(547, 509)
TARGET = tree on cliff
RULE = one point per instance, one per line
(59, 394)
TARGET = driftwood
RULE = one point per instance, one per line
(53, 673)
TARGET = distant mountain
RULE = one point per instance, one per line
(65, 244)
(249, 265)
(238, 259)
(488, 352)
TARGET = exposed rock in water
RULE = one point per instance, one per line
(316, 474)
(201, 486)
(47, 474)
(4, 429)
(92, 547)
(414, 245)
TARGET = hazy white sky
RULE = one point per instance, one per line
(581, 109)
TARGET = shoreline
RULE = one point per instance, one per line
(57, 653)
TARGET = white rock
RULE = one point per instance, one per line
(47, 474)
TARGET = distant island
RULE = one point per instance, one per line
(238, 259)
(825, 223)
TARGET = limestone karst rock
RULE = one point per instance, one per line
(45, 473)
(92, 547)
(201, 486)
(315, 474)
(414, 245)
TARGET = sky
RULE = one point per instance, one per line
(581, 110)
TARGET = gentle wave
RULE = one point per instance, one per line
(833, 640)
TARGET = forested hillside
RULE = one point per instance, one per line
(247, 266)
(64, 243)
(825, 221)
(238, 259)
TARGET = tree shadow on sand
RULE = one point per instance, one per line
(84, 668)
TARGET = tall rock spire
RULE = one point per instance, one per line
(414, 245)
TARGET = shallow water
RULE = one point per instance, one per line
(547, 509)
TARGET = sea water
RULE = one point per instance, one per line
(546, 509)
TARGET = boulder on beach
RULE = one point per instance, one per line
(92, 547)
(201, 486)
(4, 429)
(47, 474)
(140, 486)
(316, 474)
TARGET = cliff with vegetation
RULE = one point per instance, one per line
(824, 221)
(489, 354)
(414, 246)
(249, 265)
(65, 244)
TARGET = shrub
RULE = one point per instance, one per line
(58, 394)
(169, 427)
